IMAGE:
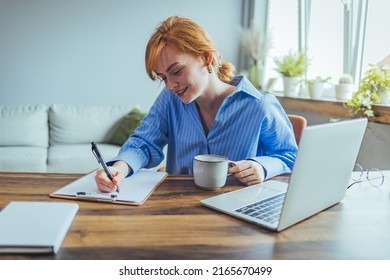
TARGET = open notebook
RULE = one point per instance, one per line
(35, 227)
(134, 190)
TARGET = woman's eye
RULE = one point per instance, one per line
(177, 72)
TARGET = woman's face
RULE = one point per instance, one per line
(183, 74)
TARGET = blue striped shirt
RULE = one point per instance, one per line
(248, 125)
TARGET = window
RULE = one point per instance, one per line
(377, 40)
(283, 31)
(325, 39)
(342, 35)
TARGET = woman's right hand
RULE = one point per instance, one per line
(119, 171)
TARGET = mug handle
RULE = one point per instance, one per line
(231, 164)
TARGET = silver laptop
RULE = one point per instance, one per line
(319, 179)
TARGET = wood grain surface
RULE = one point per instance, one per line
(172, 224)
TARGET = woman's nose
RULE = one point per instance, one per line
(171, 85)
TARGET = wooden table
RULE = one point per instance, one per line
(172, 224)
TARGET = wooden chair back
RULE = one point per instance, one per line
(298, 123)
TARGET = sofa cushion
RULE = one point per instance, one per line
(126, 127)
(71, 124)
(23, 159)
(77, 158)
(24, 125)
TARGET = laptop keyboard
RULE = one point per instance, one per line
(267, 210)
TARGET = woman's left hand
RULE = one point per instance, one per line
(248, 172)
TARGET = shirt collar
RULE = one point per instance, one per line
(242, 84)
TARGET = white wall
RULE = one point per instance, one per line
(92, 51)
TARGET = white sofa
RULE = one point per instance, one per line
(41, 138)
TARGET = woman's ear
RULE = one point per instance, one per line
(208, 58)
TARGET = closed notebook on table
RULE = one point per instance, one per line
(35, 227)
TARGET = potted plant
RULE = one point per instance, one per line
(344, 89)
(255, 45)
(291, 67)
(373, 88)
(316, 86)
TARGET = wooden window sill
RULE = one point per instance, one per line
(329, 107)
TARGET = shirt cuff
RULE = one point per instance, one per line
(131, 157)
(272, 166)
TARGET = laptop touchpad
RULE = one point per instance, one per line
(254, 193)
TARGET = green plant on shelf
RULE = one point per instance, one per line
(371, 89)
(318, 79)
(346, 79)
(293, 64)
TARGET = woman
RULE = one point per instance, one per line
(203, 109)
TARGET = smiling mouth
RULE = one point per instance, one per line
(181, 92)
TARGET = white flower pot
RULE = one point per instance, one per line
(344, 92)
(316, 90)
(290, 85)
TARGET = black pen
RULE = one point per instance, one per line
(100, 159)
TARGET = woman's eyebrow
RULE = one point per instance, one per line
(169, 68)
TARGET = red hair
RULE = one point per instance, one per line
(188, 37)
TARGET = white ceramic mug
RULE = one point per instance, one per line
(211, 171)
